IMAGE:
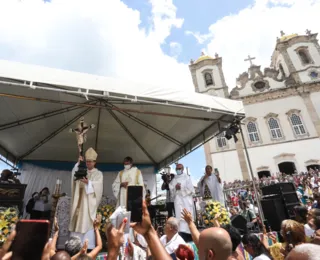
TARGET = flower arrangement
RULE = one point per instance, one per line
(105, 211)
(215, 211)
(8, 219)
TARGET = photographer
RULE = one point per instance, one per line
(167, 178)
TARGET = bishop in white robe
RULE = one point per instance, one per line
(129, 176)
(182, 190)
(210, 187)
(86, 196)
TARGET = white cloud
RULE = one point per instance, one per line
(201, 38)
(93, 36)
(254, 31)
(175, 49)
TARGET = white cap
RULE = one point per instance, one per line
(91, 155)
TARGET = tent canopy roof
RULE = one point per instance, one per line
(152, 124)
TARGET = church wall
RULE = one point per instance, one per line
(280, 59)
(280, 107)
(303, 150)
(315, 98)
(215, 74)
(214, 146)
(305, 75)
(228, 165)
(295, 58)
(247, 90)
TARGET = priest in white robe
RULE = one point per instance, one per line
(210, 186)
(130, 175)
(86, 196)
(182, 190)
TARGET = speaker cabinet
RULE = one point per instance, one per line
(274, 211)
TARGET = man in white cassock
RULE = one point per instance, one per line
(210, 187)
(85, 200)
(129, 176)
(182, 190)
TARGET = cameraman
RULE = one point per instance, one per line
(167, 178)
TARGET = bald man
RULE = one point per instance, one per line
(182, 189)
(61, 255)
(214, 244)
(304, 252)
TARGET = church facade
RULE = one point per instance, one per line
(282, 105)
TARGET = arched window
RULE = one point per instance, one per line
(253, 132)
(274, 128)
(297, 125)
(208, 79)
(221, 140)
(282, 70)
(304, 57)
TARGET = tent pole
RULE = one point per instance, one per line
(54, 133)
(39, 117)
(131, 135)
(98, 126)
(153, 129)
(101, 106)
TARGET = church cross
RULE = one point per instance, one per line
(308, 32)
(250, 59)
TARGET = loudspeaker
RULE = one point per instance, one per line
(285, 191)
(274, 212)
(240, 223)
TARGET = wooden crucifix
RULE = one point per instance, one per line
(81, 132)
(250, 59)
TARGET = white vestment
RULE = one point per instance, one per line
(173, 244)
(214, 186)
(85, 201)
(182, 198)
(134, 177)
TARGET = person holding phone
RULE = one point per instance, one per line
(130, 175)
(86, 197)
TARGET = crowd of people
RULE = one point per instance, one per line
(298, 238)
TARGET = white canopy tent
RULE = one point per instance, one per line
(154, 125)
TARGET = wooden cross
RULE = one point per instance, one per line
(308, 32)
(250, 60)
(282, 33)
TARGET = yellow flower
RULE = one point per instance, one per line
(206, 222)
(3, 224)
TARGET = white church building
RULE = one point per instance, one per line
(282, 106)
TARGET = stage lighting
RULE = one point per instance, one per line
(231, 132)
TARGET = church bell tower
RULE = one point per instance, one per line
(207, 76)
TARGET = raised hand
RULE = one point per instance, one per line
(5, 248)
(187, 216)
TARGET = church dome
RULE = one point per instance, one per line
(204, 57)
(288, 37)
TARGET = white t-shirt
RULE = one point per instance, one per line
(308, 230)
(262, 257)
(173, 244)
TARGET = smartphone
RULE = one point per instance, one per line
(134, 202)
(30, 240)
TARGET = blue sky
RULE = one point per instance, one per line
(150, 41)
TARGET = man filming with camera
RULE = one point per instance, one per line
(167, 177)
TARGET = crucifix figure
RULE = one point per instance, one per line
(250, 59)
(81, 132)
(282, 33)
(308, 32)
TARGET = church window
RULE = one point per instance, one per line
(314, 74)
(274, 128)
(297, 124)
(305, 59)
(282, 70)
(253, 132)
(208, 78)
(221, 140)
(259, 85)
